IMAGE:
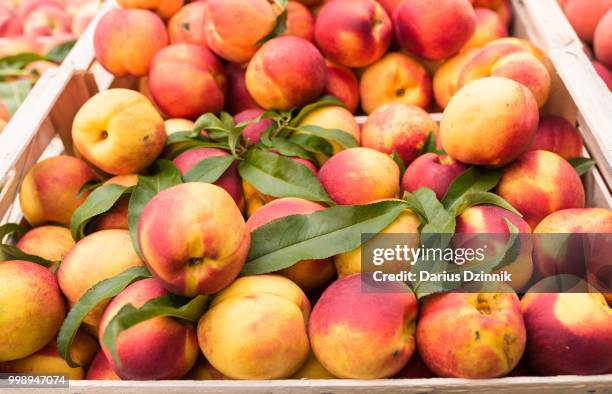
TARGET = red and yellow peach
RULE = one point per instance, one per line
(360, 176)
(190, 246)
(33, 308)
(159, 348)
(49, 190)
(186, 81)
(270, 76)
(486, 329)
(363, 335)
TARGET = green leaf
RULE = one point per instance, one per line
(290, 148)
(182, 141)
(313, 144)
(208, 170)
(582, 165)
(87, 187)
(474, 179)
(344, 139)
(20, 60)
(13, 93)
(10, 252)
(209, 122)
(279, 28)
(101, 291)
(128, 316)
(480, 198)
(323, 101)
(400, 163)
(11, 229)
(430, 145)
(283, 242)
(164, 175)
(279, 176)
(101, 200)
(438, 220)
(59, 52)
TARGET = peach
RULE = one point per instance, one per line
(343, 84)
(277, 344)
(233, 28)
(390, 5)
(49, 242)
(400, 128)
(187, 80)
(119, 131)
(394, 78)
(487, 329)
(568, 333)
(256, 199)
(175, 125)
(312, 369)
(300, 22)
(159, 348)
(489, 122)
(489, 27)
(540, 183)
(125, 41)
(10, 24)
(360, 176)
(309, 3)
(117, 216)
(101, 255)
(38, 68)
(266, 284)
(253, 131)
(584, 15)
(49, 190)
(434, 171)
(407, 222)
(16, 45)
(602, 41)
(163, 8)
(361, 334)
(47, 360)
(46, 20)
(556, 134)
(4, 114)
(504, 10)
(203, 370)
(446, 77)
(308, 274)
(512, 61)
(484, 226)
(434, 29)
(271, 74)
(353, 33)
(333, 117)
(561, 246)
(229, 181)
(82, 17)
(187, 25)
(238, 98)
(604, 72)
(101, 368)
(193, 238)
(33, 308)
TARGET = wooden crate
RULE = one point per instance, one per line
(41, 128)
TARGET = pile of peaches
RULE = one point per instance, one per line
(29, 30)
(592, 21)
(208, 225)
